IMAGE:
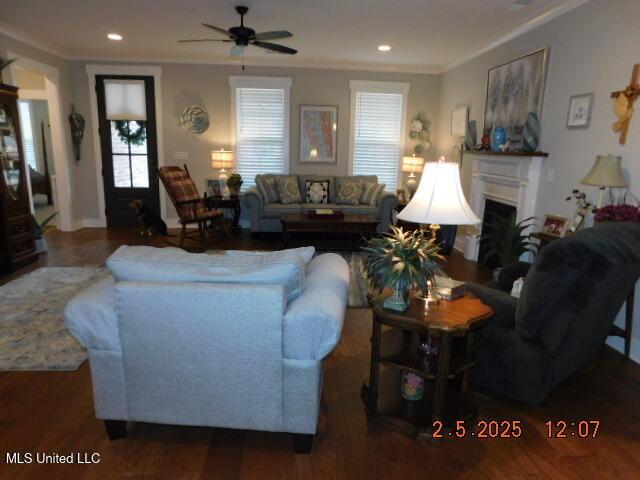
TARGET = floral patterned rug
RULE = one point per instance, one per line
(32, 332)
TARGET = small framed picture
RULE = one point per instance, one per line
(555, 226)
(400, 195)
(575, 225)
(459, 118)
(213, 187)
(4, 121)
(580, 107)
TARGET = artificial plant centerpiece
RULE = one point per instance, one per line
(401, 260)
(234, 182)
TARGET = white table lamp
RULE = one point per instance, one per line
(606, 172)
(412, 165)
(222, 159)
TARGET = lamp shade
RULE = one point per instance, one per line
(439, 198)
(412, 164)
(125, 100)
(221, 159)
(606, 172)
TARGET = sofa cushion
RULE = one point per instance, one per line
(316, 191)
(303, 179)
(266, 185)
(355, 178)
(371, 192)
(172, 265)
(288, 189)
(349, 193)
(276, 210)
(305, 252)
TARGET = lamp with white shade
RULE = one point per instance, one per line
(412, 165)
(439, 200)
(605, 172)
(222, 159)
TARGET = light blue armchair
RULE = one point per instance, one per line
(212, 354)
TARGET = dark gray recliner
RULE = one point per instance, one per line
(571, 296)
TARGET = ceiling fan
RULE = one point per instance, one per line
(243, 36)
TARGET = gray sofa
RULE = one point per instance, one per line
(266, 217)
(211, 341)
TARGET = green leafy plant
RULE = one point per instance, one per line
(506, 239)
(235, 182)
(401, 260)
(39, 229)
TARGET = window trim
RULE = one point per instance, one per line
(400, 88)
(242, 81)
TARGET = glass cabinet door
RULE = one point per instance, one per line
(9, 155)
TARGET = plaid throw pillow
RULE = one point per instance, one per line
(267, 189)
(185, 190)
(349, 193)
(371, 193)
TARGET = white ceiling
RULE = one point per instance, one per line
(425, 35)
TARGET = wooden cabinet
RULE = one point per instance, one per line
(17, 245)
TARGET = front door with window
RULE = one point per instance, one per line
(128, 137)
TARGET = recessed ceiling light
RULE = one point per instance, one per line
(114, 36)
(384, 48)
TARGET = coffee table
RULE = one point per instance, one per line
(298, 223)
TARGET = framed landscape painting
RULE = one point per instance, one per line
(318, 134)
(514, 90)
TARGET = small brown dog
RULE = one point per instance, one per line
(150, 223)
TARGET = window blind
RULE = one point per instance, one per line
(260, 134)
(377, 132)
(28, 139)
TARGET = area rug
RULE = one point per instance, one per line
(32, 332)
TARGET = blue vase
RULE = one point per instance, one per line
(498, 138)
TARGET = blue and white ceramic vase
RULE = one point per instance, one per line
(498, 138)
(531, 133)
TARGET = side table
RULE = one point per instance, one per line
(395, 349)
(232, 204)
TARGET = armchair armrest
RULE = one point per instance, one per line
(387, 201)
(510, 273)
(503, 305)
(253, 201)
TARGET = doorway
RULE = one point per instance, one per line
(129, 145)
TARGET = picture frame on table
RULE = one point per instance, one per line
(580, 109)
(554, 225)
(576, 223)
(459, 120)
(318, 134)
(214, 188)
(401, 195)
(4, 119)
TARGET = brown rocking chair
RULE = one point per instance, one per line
(190, 206)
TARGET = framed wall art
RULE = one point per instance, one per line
(580, 107)
(318, 134)
(459, 118)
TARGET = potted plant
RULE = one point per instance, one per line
(506, 241)
(401, 261)
(39, 229)
(234, 183)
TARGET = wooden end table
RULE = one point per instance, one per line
(296, 223)
(395, 350)
(232, 204)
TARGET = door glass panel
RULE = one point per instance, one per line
(9, 156)
(121, 171)
(118, 145)
(138, 145)
(140, 171)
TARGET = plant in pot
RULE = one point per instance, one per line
(401, 261)
(39, 229)
(506, 241)
(234, 183)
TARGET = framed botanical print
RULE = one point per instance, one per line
(580, 107)
(459, 118)
(318, 134)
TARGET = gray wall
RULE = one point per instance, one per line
(592, 49)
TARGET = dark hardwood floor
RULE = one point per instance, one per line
(52, 412)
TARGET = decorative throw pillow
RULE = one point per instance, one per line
(371, 193)
(349, 193)
(288, 189)
(316, 191)
(267, 188)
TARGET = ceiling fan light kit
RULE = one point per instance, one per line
(244, 36)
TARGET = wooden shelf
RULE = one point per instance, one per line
(507, 154)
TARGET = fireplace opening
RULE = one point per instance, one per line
(492, 211)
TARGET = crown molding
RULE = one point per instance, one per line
(526, 27)
(30, 40)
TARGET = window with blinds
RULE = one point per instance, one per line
(261, 136)
(377, 133)
(28, 138)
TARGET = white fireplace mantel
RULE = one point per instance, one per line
(509, 179)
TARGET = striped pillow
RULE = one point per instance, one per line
(371, 193)
(267, 188)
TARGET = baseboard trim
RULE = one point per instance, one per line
(88, 223)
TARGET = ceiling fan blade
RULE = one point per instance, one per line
(272, 35)
(220, 30)
(204, 40)
(274, 47)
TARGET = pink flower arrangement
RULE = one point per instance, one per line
(618, 213)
